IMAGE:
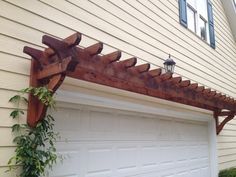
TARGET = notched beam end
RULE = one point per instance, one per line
(73, 40)
(185, 83)
(200, 88)
(127, 63)
(111, 57)
(166, 76)
(207, 91)
(34, 53)
(176, 80)
(94, 49)
(212, 93)
(155, 72)
(140, 68)
(55, 44)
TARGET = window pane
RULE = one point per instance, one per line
(202, 8)
(191, 19)
(202, 27)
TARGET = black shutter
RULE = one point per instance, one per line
(183, 12)
(211, 24)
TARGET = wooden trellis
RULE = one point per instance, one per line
(65, 58)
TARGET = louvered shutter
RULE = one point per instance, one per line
(183, 12)
(211, 24)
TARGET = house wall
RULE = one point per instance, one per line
(148, 29)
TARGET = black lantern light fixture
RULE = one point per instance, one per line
(169, 65)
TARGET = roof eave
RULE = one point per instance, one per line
(230, 11)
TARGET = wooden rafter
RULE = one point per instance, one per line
(65, 58)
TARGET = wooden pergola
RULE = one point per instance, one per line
(65, 58)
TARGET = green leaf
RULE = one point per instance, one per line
(16, 113)
(15, 99)
(16, 128)
(35, 147)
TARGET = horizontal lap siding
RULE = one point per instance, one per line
(227, 146)
(148, 29)
(227, 138)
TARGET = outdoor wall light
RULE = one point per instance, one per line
(169, 65)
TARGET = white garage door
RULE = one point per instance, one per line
(108, 143)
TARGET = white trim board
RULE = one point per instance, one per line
(66, 98)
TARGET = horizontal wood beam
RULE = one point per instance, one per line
(53, 69)
(159, 90)
(225, 113)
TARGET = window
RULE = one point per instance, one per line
(197, 16)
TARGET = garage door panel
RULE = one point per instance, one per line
(100, 122)
(100, 160)
(64, 117)
(106, 143)
(149, 154)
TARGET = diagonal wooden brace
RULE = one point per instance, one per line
(45, 73)
(217, 113)
(37, 110)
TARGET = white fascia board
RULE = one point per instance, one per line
(76, 92)
(230, 11)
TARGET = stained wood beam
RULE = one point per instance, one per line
(94, 49)
(176, 80)
(139, 69)
(225, 113)
(154, 72)
(63, 58)
(212, 93)
(200, 88)
(35, 54)
(161, 91)
(70, 41)
(111, 57)
(165, 76)
(206, 91)
(184, 83)
(54, 69)
(126, 63)
(193, 86)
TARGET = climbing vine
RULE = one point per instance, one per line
(35, 146)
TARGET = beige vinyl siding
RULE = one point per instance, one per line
(148, 29)
(227, 146)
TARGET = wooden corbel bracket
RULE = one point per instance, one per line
(48, 68)
(220, 125)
